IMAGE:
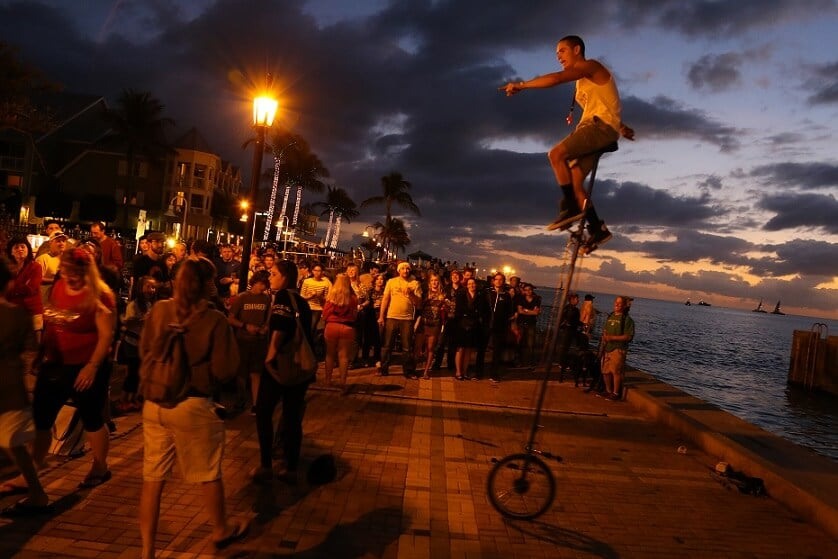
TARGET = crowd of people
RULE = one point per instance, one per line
(64, 303)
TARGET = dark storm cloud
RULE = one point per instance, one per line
(809, 176)
(715, 72)
(801, 210)
(413, 88)
(664, 117)
(633, 203)
(688, 245)
(713, 18)
(824, 82)
(806, 258)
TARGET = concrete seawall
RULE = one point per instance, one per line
(800, 479)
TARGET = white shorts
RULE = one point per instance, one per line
(190, 433)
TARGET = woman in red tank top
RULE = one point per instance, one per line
(79, 327)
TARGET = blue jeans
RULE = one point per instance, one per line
(405, 330)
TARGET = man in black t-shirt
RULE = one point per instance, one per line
(528, 307)
(495, 325)
(283, 326)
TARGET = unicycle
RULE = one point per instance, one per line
(522, 486)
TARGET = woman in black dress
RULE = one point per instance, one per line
(467, 316)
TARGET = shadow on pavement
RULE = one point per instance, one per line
(563, 538)
(270, 499)
(369, 388)
(368, 536)
(21, 530)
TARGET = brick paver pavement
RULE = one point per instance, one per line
(413, 459)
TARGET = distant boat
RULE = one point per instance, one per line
(777, 309)
(704, 304)
(759, 308)
(688, 303)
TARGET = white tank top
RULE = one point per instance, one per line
(601, 101)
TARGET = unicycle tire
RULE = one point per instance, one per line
(521, 486)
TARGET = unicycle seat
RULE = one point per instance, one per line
(609, 148)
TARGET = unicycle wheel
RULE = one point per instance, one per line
(521, 486)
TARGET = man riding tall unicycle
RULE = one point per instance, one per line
(599, 127)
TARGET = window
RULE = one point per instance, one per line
(196, 202)
(200, 171)
(140, 169)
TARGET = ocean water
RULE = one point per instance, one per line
(737, 360)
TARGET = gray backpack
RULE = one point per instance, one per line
(165, 376)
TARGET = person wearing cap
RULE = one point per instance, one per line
(50, 260)
(398, 307)
(50, 227)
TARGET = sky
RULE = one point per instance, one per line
(729, 193)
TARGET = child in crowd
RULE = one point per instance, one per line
(249, 315)
(128, 350)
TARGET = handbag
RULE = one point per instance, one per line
(67, 432)
(295, 363)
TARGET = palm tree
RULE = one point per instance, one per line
(338, 205)
(137, 123)
(136, 127)
(396, 191)
(294, 165)
(393, 234)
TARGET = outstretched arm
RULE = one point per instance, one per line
(626, 131)
(590, 69)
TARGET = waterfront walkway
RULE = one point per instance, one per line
(413, 457)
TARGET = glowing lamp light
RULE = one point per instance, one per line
(264, 111)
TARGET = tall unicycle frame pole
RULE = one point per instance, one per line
(521, 485)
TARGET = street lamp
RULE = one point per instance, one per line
(264, 111)
(177, 205)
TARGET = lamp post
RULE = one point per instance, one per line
(264, 111)
(173, 211)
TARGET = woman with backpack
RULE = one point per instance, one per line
(184, 426)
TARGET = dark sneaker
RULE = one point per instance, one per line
(598, 238)
(568, 215)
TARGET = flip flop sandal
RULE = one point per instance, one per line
(9, 489)
(92, 481)
(23, 509)
(239, 533)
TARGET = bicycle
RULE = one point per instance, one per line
(529, 489)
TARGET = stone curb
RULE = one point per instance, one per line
(812, 496)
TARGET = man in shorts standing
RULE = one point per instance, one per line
(617, 333)
(599, 126)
